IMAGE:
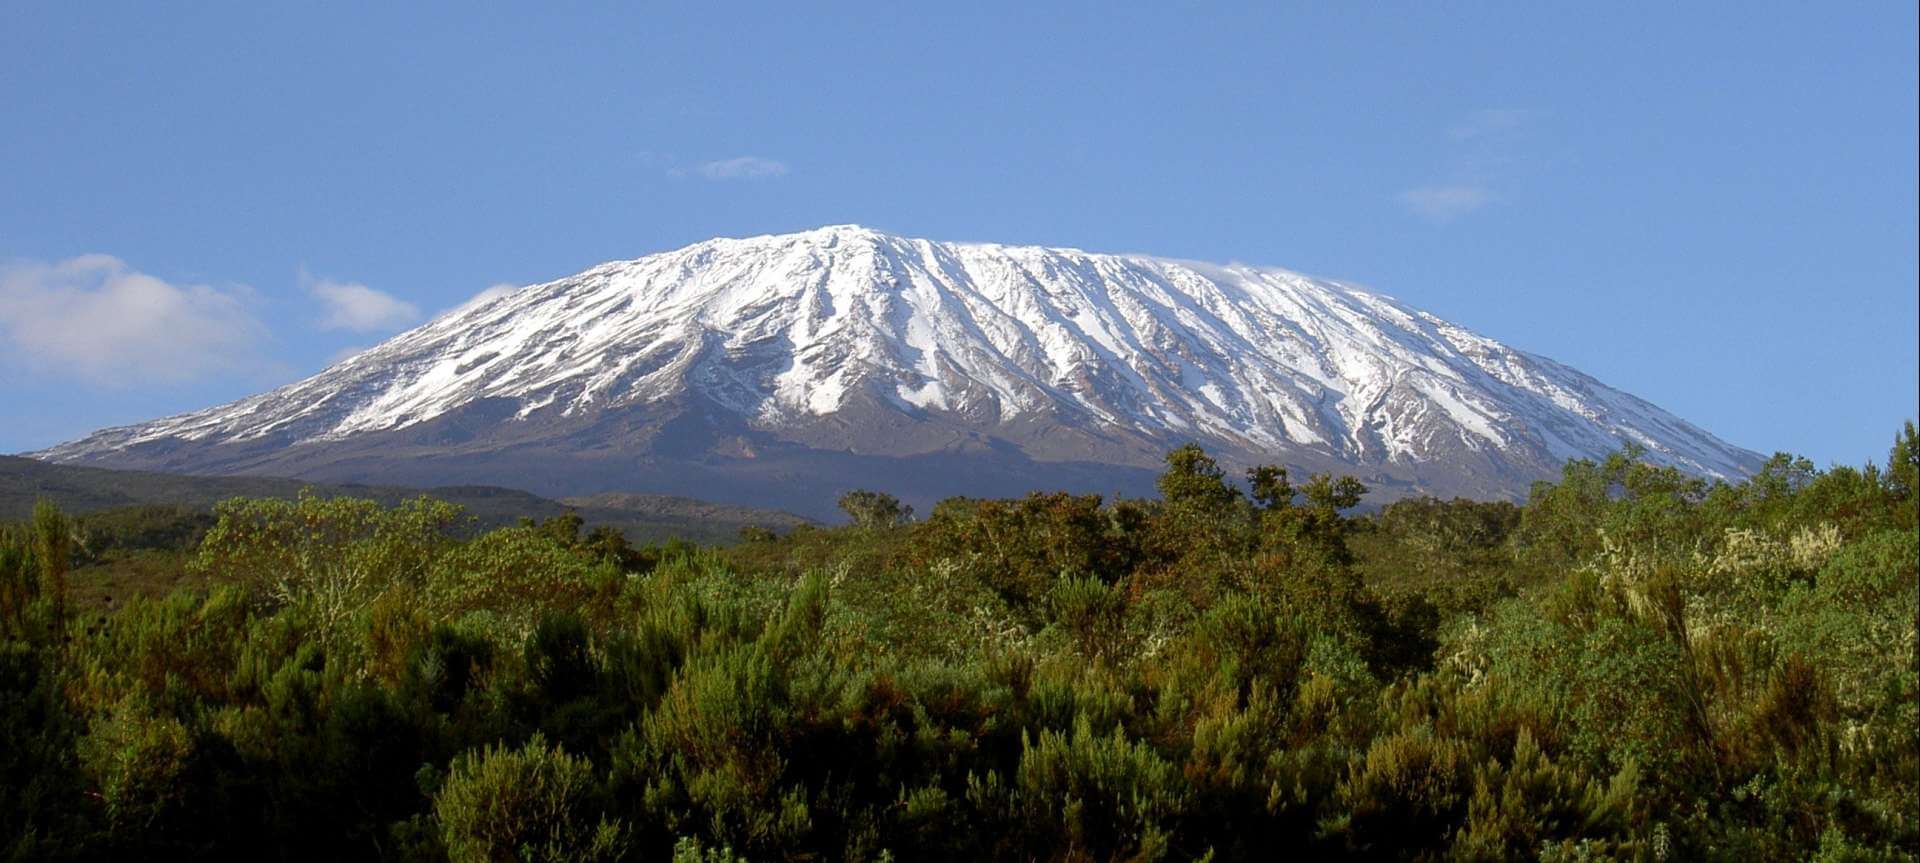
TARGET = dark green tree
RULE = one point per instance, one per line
(1903, 464)
(874, 509)
(1270, 486)
(53, 551)
(1194, 482)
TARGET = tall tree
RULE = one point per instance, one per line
(875, 509)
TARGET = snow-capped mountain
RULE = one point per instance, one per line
(764, 368)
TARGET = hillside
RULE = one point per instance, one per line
(643, 518)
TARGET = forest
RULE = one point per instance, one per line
(1633, 664)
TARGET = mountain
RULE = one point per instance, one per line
(779, 370)
(80, 490)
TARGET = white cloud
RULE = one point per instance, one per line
(491, 293)
(356, 307)
(740, 168)
(1486, 150)
(1445, 203)
(96, 319)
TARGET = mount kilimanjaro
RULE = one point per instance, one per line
(781, 370)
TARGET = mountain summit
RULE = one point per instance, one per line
(777, 370)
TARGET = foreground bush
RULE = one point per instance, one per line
(1633, 665)
(531, 803)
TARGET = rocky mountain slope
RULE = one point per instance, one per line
(777, 370)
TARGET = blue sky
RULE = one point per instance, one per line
(1711, 206)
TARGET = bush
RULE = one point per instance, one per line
(1090, 796)
(1632, 666)
(534, 803)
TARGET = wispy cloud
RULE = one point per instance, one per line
(1483, 150)
(95, 319)
(355, 307)
(492, 293)
(738, 168)
(485, 296)
(1445, 203)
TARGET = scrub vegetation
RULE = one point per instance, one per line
(1632, 665)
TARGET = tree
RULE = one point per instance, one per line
(334, 554)
(19, 581)
(1201, 515)
(1903, 464)
(1315, 533)
(1270, 487)
(564, 528)
(874, 509)
(53, 549)
(1193, 480)
(1331, 495)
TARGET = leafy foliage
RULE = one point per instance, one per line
(531, 803)
(874, 509)
(1632, 665)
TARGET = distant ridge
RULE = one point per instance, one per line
(79, 490)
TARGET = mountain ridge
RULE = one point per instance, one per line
(819, 349)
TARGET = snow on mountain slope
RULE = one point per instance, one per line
(785, 332)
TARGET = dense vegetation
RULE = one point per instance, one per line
(1632, 665)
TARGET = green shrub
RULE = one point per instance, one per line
(1092, 796)
(533, 803)
(1635, 665)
